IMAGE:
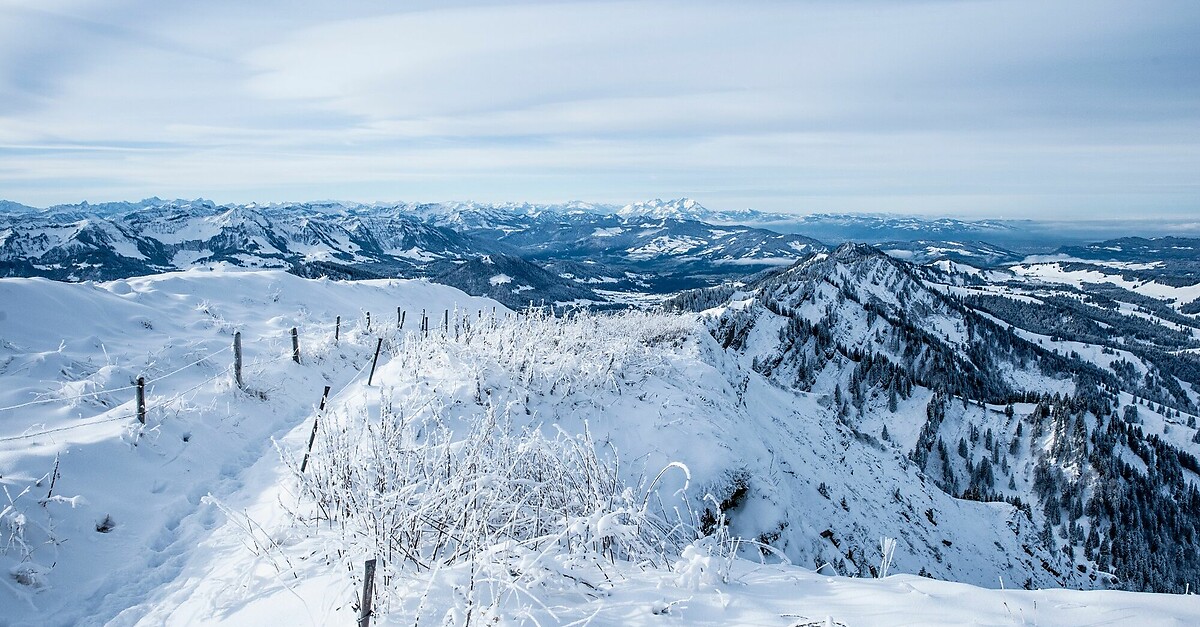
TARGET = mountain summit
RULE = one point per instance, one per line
(689, 209)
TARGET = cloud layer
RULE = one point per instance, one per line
(1013, 109)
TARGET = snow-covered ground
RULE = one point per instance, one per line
(201, 515)
(1055, 273)
(69, 355)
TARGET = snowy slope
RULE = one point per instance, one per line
(1056, 273)
(199, 517)
(996, 408)
(60, 341)
(642, 403)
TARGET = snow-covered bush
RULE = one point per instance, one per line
(707, 561)
(438, 497)
(445, 482)
(27, 529)
(525, 510)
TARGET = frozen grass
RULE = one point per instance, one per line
(523, 512)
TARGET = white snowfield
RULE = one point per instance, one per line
(202, 516)
(1055, 273)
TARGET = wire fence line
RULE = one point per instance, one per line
(162, 404)
(320, 327)
(26, 436)
(125, 388)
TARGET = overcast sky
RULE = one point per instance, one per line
(1000, 109)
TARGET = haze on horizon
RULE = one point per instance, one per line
(1072, 110)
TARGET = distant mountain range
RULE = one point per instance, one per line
(651, 246)
(581, 252)
(972, 252)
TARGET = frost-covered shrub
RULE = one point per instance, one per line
(707, 561)
(436, 498)
(454, 479)
(27, 531)
(546, 509)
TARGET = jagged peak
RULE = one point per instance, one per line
(855, 250)
(678, 208)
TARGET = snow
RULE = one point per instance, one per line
(1054, 273)
(209, 509)
(756, 595)
(679, 209)
(948, 266)
(189, 230)
(666, 245)
(500, 279)
(58, 341)
(126, 248)
(758, 261)
(185, 258)
(590, 280)
(413, 253)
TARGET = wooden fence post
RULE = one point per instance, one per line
(237, 360)
(375, 361)
(364, 610)
(446, 323)
(337, 329)
(368, 321)
(53, 479)
(312, 437)
(400, 324)
(295, 345)
(141, 399)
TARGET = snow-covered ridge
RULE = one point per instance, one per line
(201, 516)
(69, 355)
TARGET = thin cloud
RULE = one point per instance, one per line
(971, 108)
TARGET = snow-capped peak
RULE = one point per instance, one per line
(689, 209)
(679, 209)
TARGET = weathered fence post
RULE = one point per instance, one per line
(400, 314)
(368, 321)
(295, 345)
(141, 399)
(446, 323)
(312, 437)
(364, 610)
(378, 345)
(53, 480)
(337, 329)
(237, 360)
